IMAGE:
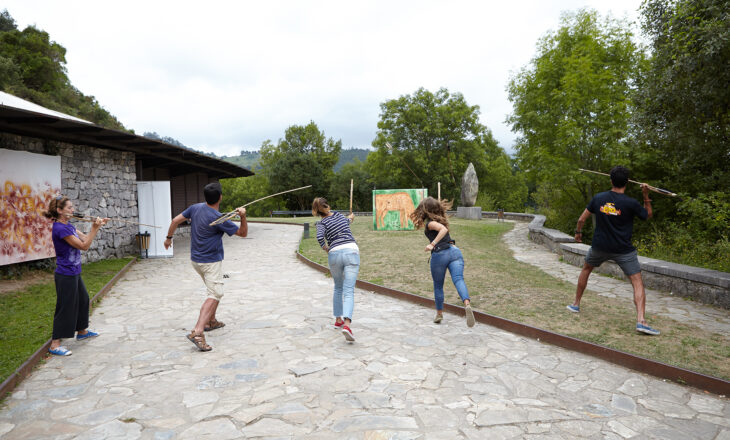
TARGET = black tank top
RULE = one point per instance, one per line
(431, 234)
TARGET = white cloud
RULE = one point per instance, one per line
(222, 76)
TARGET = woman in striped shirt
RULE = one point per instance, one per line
(343, 256)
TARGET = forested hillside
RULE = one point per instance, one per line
(250, 159)
(33, 67)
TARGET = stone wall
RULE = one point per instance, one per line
(100, 182)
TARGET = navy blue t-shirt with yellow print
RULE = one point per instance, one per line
(615, 221)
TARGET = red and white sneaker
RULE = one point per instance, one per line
(348, 333)
(338, 325)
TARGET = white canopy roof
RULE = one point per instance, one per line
(9, 100)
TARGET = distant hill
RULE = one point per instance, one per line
(347, 156)
(250, 159)
(247, 159)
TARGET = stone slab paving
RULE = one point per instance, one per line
(713, 319)
(279, 371)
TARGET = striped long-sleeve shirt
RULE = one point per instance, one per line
(335, 229)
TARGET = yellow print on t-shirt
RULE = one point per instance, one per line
(610, 209)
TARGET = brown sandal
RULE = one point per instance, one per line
(213, 325)
(199, 341)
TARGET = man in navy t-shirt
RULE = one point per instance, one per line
(206, 253)
(615, 212)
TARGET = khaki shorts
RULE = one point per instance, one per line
(212, 275)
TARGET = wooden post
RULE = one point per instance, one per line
(439, 193)
(351, 181)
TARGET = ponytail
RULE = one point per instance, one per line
(53, 207)
(320, 207)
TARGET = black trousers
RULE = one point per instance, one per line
(72, 306)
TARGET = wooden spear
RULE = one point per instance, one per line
(351, 181)
(651, 188)
(230, 215)
(390, 148)
(88, 218)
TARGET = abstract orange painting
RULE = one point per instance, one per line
(29, 182)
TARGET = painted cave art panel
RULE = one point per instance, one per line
(391, 208)
(29, 182)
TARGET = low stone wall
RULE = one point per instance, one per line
(703, 285)
(100, 182)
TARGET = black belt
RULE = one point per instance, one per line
(442, 245)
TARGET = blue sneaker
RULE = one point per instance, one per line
(572, 308)
(60, 351)
(89, 334)
(643, 328)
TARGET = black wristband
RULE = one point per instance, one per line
(169, 237)
(579, 232)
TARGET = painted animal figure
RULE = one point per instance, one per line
(399, 201)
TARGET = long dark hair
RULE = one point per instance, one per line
(431, 209)
(55, 205)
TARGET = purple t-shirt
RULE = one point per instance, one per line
(68, 258)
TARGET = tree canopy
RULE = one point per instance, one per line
(434, 137)
(33, 67)
(683, 97)
(571, 109)
(305, 156)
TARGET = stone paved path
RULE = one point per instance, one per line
(278, 371)
(713, 319)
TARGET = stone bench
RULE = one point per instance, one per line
(703, 285)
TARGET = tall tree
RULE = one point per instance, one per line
(339, 192)
(33, 67)
(42, 61)
(7, 23)
(434, 138)
(571, 109)
(305, 156)
(683, 98)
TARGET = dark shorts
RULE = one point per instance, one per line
(629, 263)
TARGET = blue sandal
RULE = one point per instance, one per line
(60, 351)
(89, 334)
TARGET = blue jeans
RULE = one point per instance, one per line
(451, 259)
(344, 266)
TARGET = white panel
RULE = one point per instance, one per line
(153, 200)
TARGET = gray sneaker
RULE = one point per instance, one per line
(469, 316)
(438, 319)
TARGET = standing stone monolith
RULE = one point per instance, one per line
(469, 186)
(469, 191)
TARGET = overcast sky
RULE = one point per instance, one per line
(225, 76)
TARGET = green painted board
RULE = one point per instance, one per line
(391, 208)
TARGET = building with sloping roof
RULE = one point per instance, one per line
(99, 168)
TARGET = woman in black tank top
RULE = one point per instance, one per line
(431, 213)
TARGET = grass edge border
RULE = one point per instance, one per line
(27, 367)
(711, 384)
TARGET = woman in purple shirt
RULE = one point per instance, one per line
(72, 299)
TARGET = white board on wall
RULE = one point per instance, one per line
(153, 201)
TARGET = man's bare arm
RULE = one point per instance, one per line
(171, 230)
(579, 226)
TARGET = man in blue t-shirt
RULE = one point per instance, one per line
(206, 253)
(615, 212)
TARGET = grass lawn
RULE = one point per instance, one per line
(28, 313)
(502, 286)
